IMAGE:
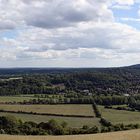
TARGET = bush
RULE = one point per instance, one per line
(96, 110)
(104, 122)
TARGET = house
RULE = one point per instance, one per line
(87, 92)
(126, 95)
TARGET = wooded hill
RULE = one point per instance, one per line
(118, 81)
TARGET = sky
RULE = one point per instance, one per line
(69, 33)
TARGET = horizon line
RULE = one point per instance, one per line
(61, 67)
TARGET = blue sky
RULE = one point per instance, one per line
(82, 33)
(131, 12)
(9, 34)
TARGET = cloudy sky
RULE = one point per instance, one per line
(69, 33)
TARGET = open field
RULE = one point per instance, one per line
(115, 116)
(120, 116)
(72, 122)
(4, 99)
(84, 110)
(26, 97)
(122, 135)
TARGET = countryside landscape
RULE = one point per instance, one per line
(70, 101)
(69, 69)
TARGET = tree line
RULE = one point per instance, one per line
(100, 100)
(11, 125)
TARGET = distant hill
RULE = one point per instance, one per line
(135, 66)
(63, 70)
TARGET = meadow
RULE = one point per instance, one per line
(72, 121)
(122, 135)
(120, 116)
(83, 110)
(4, 99)
(112, 115)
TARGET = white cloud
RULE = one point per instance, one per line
(131, 19)
(125, 2)
(87, 40)
(73, 32)
(54, 14)
(8, 25)
(121, 7)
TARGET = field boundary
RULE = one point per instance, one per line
(46, 114)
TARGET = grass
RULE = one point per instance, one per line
(71, 109)
(72, 122)
(120, 116)
(27, 97)
(115, 106)
(122, 135)
(4, 99)
(85, 110)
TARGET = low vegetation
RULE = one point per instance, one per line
(15, 99)
(13, 126)
(75, 110)
(75, 122)
(120, 116)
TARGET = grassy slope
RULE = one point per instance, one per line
(85, 110)
(122, 135)
(120, 116)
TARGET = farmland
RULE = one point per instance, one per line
(123, 135)
(83, 110)
(112, 115)
(120, 116)
(72, 121)
(4, 99)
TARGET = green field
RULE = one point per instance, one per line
(72, 121)
(123, 135)
(120, 116)
(4, 99)
(28, 97)
(84, 110)
(112, 115)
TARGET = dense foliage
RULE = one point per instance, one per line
(96, 110)
(116, 81)
(10, 125)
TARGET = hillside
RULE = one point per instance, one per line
(135, 66)
(118, 81)
(123, 135)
